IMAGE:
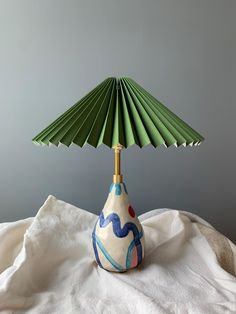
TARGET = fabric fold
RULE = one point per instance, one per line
(47, 266)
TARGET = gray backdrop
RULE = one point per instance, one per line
(182, 51)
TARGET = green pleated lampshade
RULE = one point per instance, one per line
(119, 111)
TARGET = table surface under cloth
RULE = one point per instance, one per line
(47, 266)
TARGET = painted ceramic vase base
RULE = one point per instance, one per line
(118, 239)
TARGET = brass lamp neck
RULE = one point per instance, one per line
(117, 177)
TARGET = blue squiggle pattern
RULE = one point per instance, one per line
(122, 232)
(119, 232)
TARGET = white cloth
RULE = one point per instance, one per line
(47, 266)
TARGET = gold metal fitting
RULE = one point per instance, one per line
(117, 177)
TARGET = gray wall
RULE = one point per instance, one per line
(182, 51)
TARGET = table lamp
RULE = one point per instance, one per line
(118, 113)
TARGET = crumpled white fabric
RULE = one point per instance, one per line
(47, 266)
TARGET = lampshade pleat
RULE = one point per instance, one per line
(88, 118)
(66, 122)
(137, 122)
(174, 119)
(167, 130)
(155, 137)
(129, 131)
(100, 118)
(109, 122)
(118, 111)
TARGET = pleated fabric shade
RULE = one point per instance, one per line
(119, 111)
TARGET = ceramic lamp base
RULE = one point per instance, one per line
(118, 239)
